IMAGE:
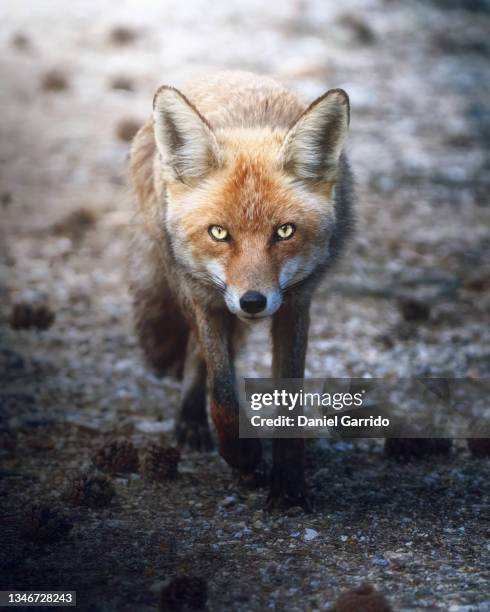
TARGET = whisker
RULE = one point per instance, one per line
(212, 281)
(297, 283)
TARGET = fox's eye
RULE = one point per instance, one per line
(285, 231)
(218, 233)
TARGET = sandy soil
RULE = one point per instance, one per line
(76, 79)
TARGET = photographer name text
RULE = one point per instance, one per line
(336, 420)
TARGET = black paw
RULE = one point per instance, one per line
(408, 449)
(287, 490)
(257, 479)
(284, 500)
(194, 435)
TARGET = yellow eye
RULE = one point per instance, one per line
(218, 233)
(285, 231)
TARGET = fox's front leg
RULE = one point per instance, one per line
(192, 424)
(290, 337)
(215, 330)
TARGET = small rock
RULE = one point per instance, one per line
(380, 562)
(310, 534)
(241, 525)
(122, 35)
(155, 427)
(229, 501)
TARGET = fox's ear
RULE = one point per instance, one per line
(313, 145)
(184, 138)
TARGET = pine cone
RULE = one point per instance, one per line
(479, 447)
(127, 128)
(43, 523)
(160, 462)
(90, 490)
(116, 457)
(183, 593)
(75, 224)
(414, 310)
(363, 599)
(25, 316)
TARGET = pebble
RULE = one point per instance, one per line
(310, 534)
(229, 501)
(115, 524)
(483, 606)
(380, 561)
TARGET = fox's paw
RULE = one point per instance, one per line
(257, 479)
(286, 490)
(408, 449)
(194, 435)
(244, 454)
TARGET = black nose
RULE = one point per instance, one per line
(253, 302)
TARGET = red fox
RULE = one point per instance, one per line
(243, 202)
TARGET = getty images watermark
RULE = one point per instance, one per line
(365, 408)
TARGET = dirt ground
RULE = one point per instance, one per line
(75, 81)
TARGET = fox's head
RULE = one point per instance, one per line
(250, 211)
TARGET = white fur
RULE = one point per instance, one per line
(232, 300)
(301, 144)
(200, 147)
(217, 271)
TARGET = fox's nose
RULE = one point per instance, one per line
(253, 302)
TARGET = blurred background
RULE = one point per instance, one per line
(77, 79)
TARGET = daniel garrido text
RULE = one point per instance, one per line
(336, 420)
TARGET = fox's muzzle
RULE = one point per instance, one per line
(253, 302)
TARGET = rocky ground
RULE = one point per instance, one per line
(76, 81)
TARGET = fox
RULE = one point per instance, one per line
(244, 198)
